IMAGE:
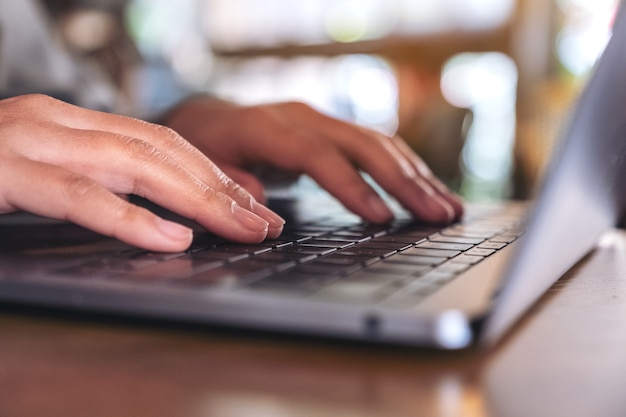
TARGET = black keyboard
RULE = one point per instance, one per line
(327, 259)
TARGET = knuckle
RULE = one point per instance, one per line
(235, 190)
(20, 108)
(139, 149)
(125, 213)
(299, 106)
(35, 100)
(78, 187)
(169, 134)
(171, 139)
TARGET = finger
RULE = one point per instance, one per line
(68, 196)
(332, 171)
(246, 180)
(388, 166)
(454, 200)
(169, 143)
(131, 166)
(377, 155)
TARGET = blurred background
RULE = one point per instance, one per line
(479, 88)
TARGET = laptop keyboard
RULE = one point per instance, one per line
(397, 264)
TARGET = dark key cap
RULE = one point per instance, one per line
(219, 255)
(358, 251)
(399, 239)
(437, 253)
(326, 244)
(250, 249)
(343, 260)
(374, 230)
(374, 244)
(453, 239)
(339, 238)
(416, 260)
(445, 246)
(282, 257)
(306, 250)
(205, 241)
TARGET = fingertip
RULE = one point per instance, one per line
(274, 221)
(174, 231)
(435, 210)
(249, 220)
(177, 237)
(377, 210)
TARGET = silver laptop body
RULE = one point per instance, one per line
(52, 264)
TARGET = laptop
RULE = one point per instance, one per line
(331, 275)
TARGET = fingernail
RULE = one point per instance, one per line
(248, 219)
(450, 210)
(378, 207)
(274, 220)
(174, 230)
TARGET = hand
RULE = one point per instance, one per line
(296, 138)
(70, 163)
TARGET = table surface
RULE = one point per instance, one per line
(567, 357)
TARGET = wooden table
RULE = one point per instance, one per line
(566, 358)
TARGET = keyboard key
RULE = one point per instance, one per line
(452, 239)
(373, 244)
(437, 253)
(492, 245)
(249, 249)
(446, 246)
(415, 260)
(358, 251)
(399, 239)
(480, 252)
(326, 244)
(337, 238)
(343, 260)
(219, 255)
(306, 250)
(282, 257)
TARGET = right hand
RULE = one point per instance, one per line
(70, 163)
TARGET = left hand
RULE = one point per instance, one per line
(296, 138)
